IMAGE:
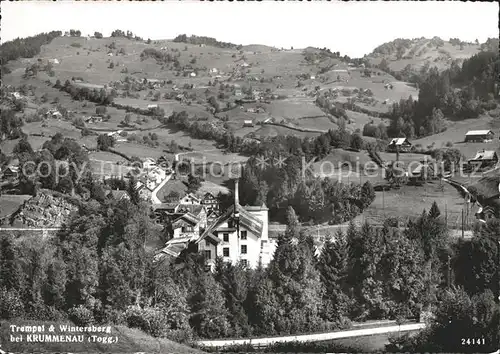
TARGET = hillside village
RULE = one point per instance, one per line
(144, 150)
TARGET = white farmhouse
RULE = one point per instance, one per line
(239, 235)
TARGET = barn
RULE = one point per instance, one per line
(479, 136)
(399, 144)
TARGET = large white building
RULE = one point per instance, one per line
(240, 234)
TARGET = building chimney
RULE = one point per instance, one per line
(236, 192)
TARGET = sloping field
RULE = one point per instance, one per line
(141, 151)
(410, 201)
(359, 120)
(320, 123)
(10, 203)
(293, 109)
(7, 146)
(273, 130)
(129, 341)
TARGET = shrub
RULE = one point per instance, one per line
(11, 305)
(76, 45)
(86, 132)
(81, 315)
(101, 110)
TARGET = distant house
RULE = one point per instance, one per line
(11, 172)
(110, 54)
(386, 101)
(210, 202)
(238, 93)
(193, 74)
(54, 61)
(312, 77)
(16, 96)
(93, 119)
(484, 158)
(143, 190)
(115, 134)
(153, 82)
(248, 123)
(119, 195)
(214, 71)
(188, 225)
(268, 120)
(479, 136)
(55, 114)
(190, 199)
(148, 163)
(421, 173)
(152, 106)
(399, 144)
(245, 65)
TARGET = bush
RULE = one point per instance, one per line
(40, 311)
(76, 45)
(158, 322)
(81, 315)
(101, 110)
(11, 305)
(86, 132)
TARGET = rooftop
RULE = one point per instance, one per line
(398, 141)
(478, 132)
(484, 155)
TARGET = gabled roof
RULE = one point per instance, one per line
(479, 132)
(484, 155)
(191, 208)
(165, 206)
(399, 141)
(118, 194)
(175, 246)
(191, 196)
(188, 217)
(421, 166)
(256, 208)
(208, 195)
(247, 220)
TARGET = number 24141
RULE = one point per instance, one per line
(473, 341)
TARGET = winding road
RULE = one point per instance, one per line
(262, 342)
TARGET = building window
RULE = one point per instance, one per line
(207, 243)
(208, 254)
(243, 235)
(243, 249)
(226, 237)
(225, 251)
(244, 262)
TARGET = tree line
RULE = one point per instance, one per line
(25, 47)
(438, 96)
(100, 269)
(315, 199)
(198, 40)
(319, 146)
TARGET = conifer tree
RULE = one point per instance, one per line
(434, 212)
(332, 266)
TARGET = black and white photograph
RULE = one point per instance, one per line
(249, 177)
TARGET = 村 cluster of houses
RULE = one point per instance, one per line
(237, 234)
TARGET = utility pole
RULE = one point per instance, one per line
(383, 199)
(462, 223)
(496, 330)
(446, 212)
